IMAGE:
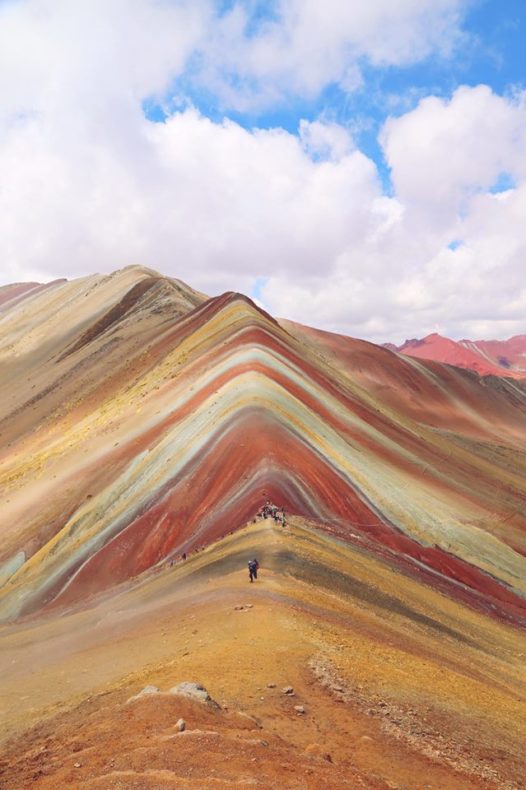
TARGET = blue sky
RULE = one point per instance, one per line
(491, 52)
(359, 166)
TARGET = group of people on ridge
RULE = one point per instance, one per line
(273, 511)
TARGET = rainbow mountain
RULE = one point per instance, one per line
(140, 419)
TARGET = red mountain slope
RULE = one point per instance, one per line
(486, 357)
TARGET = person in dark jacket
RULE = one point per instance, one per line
(253, 566)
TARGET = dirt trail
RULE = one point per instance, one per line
(401, 687)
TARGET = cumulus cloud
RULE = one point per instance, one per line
(445, 253)
(213, 203)
(445, 151)
(306, 44)
(90, 184)
(90, 56)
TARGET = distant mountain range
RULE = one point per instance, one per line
(486, 357)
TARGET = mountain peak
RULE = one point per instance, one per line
(485, 357)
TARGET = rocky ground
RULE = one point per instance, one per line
(333, 670)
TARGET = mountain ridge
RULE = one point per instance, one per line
(170, 424)
(486, 357)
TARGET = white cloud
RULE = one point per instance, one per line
(92, 57)
(89, 184)
(399, 277)
(308, 44)
(325, 140)
(210, 202)
(443, 152)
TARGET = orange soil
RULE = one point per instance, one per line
(402, 687)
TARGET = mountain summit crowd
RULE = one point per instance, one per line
(273, 511)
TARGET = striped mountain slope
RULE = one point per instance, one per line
(140, 419)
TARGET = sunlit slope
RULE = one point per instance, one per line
(61, 340)
(171, 426)
(398, 681)
(493, 357)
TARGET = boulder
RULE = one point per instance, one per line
(194, 691)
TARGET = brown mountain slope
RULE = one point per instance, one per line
(401, 687)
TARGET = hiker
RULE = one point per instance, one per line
(253, 566)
